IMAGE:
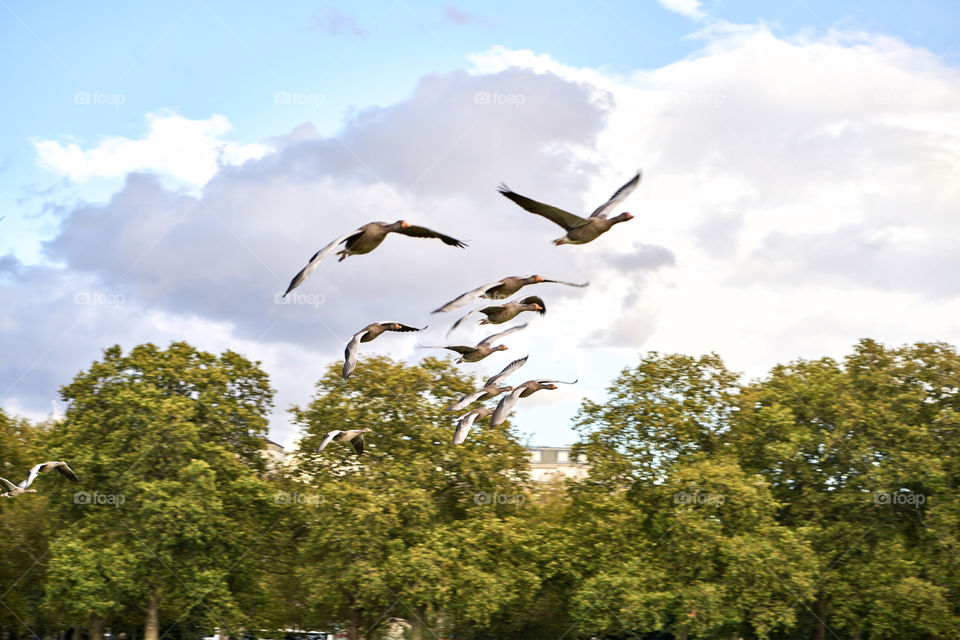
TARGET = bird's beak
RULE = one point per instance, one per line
(538, 307)
(404, 224)
(538, 278)
(628, 216)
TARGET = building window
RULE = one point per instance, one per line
(563, 456)
(534, 456)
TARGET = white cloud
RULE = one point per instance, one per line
(689, 8)
(805, 188)
(189, 151)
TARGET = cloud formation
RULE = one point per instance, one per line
(797, 196)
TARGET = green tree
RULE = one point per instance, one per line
(173, 504)
(394, 532)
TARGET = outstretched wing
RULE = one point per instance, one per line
(460, 321)
(423, 232)
(9, 486)
(357, 442)
(507, 370)
(490, 339)
(465, 298)
(557, 381)
(403, 327)
(618, 197)
(569, 284)
(67, 472)
(536, 300)
(466, 401)
(563, 218)
(327, 439)
(463, 426)
(505, 406)
(34, 472)
(315, 261)
(350, 353)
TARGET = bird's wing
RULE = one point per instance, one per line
(463, 427)
(465, 298)
(34, 472)
(327, 439)
(460, 321)
(557, 381)
(67, 472)
(569, 284)
(496, 336)
(9, 486)
(357, 442)
(404, 328)
(350, 353)
(617, 198)
(506, 404)
(563, 218)
(507, 370)
(423, 232)
(466, 401)
(536, 300)
(315, 261)
(462, 350)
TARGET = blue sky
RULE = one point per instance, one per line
(197, 58)
(758, 95)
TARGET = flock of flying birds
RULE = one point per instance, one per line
(579, 230)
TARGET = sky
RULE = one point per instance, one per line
(167, 168)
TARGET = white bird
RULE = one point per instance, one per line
(500, 290)
(353, 436)
(14, 490)
(466, 421)
(490, 388)
(524, 390)
(368, 333)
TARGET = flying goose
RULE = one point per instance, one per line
(490, 388)
(368, 333)
(483, 349)
(353, 436)
(499, 290)
(466, 421)
(524, 390)
(505, 312)
(14, 490)
(364, 240)
(579, 230)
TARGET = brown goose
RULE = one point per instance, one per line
(483, 349)
(364, 240)
(490, 388)
(353, 436)
(579, 230)
(466, 421)
(505, 312)
(524, 390)
(500, 289)
(368, 333)
(14, 490)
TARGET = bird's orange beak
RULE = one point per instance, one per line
(628, 216)
(538, 278)
(538, 307)
(404, 224)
